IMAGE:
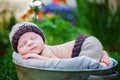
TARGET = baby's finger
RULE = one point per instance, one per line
(26, 56)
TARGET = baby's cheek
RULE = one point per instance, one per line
(22, 51)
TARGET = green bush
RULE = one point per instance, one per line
(6, 23)
(100, 22)
(57, 30)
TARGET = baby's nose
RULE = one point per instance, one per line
(29, 42)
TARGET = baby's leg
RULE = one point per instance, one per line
(105, 59)
(92, 48)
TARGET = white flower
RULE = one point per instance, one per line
(36, 3)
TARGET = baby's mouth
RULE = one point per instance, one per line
(33, 48)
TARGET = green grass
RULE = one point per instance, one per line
(8, 71)
(7, 68)
(116, 55)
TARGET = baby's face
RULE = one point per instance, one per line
(30, 42)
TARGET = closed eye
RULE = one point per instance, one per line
(21, 45)
(34, 37)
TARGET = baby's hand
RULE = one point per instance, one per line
(31, 55)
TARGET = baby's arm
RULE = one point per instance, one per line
(105, 60)
(35, 56)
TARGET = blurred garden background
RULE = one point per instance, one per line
(61, 21)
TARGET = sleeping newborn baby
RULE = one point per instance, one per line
(28, 40)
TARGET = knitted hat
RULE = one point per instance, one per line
(21, 28)
(88, 46)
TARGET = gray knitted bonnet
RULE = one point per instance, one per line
(21, 28)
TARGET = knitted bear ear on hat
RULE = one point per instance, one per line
(21, 28)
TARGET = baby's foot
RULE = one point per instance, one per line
(105, 58)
